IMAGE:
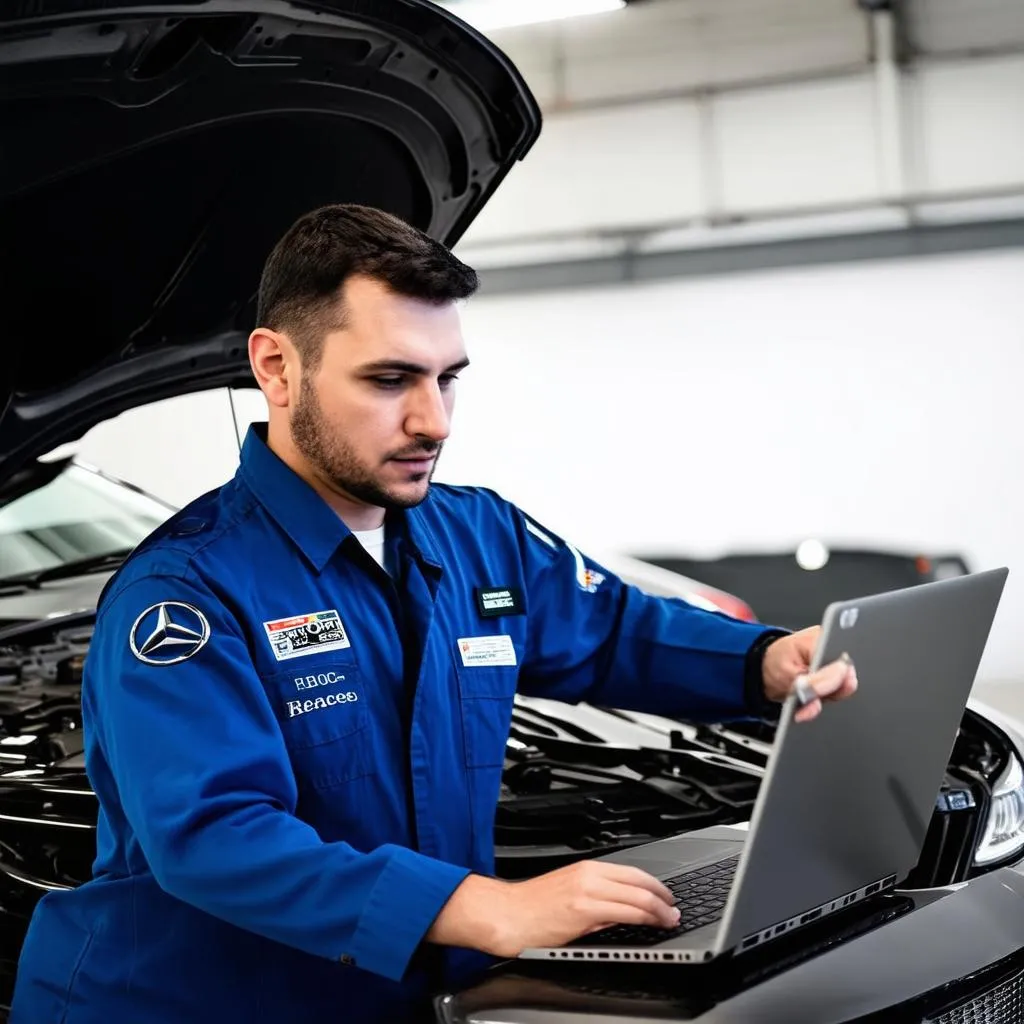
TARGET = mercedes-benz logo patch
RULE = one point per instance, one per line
(169, 632)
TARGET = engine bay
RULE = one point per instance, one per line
(40, 689)
(578, 781)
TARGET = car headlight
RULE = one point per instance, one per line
(1004, 830)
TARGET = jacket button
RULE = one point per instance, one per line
(189, 525)
(348, 961)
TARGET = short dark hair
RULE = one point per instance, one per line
(300, 289)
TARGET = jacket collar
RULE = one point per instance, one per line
(313, 526)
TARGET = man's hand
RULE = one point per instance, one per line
(789, 658)
(503, 918)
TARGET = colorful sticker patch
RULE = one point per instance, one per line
(315, 633)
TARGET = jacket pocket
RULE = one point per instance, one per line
(486, 697)
(323, 714)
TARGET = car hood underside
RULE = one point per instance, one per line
(157, 151)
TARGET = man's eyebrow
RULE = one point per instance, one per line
(401, 366)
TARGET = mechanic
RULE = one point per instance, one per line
(299, 689)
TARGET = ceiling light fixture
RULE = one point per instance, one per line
(488, 15)
(812, 555)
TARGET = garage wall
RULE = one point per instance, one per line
(877, 404)
(695, 116)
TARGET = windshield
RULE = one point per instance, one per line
(81, 514)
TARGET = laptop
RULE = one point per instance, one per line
(846, 799)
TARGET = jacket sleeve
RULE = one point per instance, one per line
(594, 638)
(202, 775)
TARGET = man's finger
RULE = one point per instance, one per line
(838, 675)
(643, 899)
(626, 874)
(624, 913)
(836, 681)
(808, 711)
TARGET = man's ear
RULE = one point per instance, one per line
(274, 363)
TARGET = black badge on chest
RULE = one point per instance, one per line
(494, 601)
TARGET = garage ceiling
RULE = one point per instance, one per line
(663, 47)
(947, 27)
(681, 125)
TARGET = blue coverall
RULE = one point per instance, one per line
(297, 755)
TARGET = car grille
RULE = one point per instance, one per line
(1003, 1004)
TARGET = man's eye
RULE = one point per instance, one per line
(388, 382)
(447, 379)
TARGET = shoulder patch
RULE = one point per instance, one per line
(587, 579)
(169, 632)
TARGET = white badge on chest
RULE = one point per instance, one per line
(487, 650)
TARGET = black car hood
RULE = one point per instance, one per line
(153, 154)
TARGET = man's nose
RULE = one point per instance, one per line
(429, 415)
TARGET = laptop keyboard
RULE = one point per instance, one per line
(700, 896)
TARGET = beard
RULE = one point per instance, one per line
(337, 462)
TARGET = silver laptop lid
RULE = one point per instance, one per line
(847, 798)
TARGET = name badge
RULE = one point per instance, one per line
(495, 601)
(480, 651)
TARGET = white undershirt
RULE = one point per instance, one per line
(373, 541)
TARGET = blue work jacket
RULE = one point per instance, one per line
(298, 754)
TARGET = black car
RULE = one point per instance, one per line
(135, 219)
(792, 588)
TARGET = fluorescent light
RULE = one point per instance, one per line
(487, 15)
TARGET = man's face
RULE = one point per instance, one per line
(372, 419)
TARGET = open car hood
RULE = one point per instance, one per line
(155, 152)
